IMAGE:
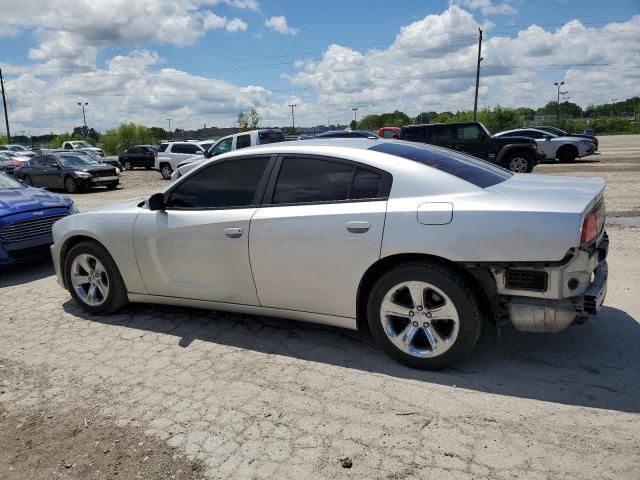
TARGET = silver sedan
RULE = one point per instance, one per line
(418, 244)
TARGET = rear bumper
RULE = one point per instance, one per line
(541, 314)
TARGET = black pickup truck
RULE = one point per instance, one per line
(518, 154)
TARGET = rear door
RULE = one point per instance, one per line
(317, 232)
(471, 139)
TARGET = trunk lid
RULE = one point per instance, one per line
(553, 193)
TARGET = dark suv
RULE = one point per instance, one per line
(518, 154)
(70, 171)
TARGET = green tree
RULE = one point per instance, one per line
(254, 118)
(3, 140)
(353, 124)
(128, 135)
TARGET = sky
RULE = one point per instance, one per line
(200, 62)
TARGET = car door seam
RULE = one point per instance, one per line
(255, 286)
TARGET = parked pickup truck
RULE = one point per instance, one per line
(76, 145)
(518, 154)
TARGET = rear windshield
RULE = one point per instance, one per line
(270, 136)
(473, 170)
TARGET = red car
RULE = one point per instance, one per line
(389, 132)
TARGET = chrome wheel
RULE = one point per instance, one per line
(419, 319)
(518, 165)
(89, 279)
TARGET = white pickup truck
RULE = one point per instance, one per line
(76, 145)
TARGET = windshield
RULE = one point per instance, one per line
(73, 161)
(18, 148)
(82, 145)
(8, 183)
(473, 170)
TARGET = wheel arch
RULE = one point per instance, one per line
(71, 242)
(480, 280)
(508, 149)
(565, 147)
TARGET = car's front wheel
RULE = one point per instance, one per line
(520, 162)
(93, 279)
(567, 153)
(27, 180)
(166, 171)
(424, 316)
(70, 185)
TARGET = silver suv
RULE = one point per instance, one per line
(171, 154)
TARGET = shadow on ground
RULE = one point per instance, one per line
(593, 365)
(26, 272)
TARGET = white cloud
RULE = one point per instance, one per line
(279, 24)
(236, 25)
(486, 7)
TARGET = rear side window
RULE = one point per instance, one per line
(440, 135)
(188, 148)
(312, 180)
(414, 134)
(243, 141)
(473, 170)
(222, 185)
(163, 147)
(270, 136)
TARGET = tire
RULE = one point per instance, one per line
(27, 179)
(71, 185)
(567, 153)
(113, 186)
(454, 334)
(91, 260)
(519, 162)
(127, 165)
(166, 171)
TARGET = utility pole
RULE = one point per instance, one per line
(4, 103)
(293, 117)
(475, 101)
(613, 105)
(84, 117)
(169, 120)
(558, 84)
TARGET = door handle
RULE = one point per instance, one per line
(233, 232)
(358, 227)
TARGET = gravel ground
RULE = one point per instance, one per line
(187, 393)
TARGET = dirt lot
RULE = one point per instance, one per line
(156, 392)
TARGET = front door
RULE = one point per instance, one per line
(471, 139)
(318, 232)
(198, 247)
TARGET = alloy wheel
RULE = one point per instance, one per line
(419, 319)
(89, 279)
(166, 171)
(518, 165)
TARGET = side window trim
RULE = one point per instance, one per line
(383, 192)
(257, 198)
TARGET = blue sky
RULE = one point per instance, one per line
(202, 61)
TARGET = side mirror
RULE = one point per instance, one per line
(548, 137)
(207, 154)
(156, 202)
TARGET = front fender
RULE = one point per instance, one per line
(505, 150)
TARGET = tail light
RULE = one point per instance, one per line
(593, 223)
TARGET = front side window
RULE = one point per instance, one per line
(223, 146)
(469, 133)
(187, 148)
(221, 185)
(243, 141)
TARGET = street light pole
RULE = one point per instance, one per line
(475, 101)
(558, 84)
(355, 115)
(613, 101)
(293, 117)
(84, 117)
(169, 120)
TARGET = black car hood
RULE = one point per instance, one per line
(504, 140)
(99, 167)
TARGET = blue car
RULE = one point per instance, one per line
(26, 217)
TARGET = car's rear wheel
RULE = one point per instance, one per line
(71, 185)
(520, 162)
(93, 279)
(127, 165)
(424, 316)
(166, 171)
(567, 153)
(27, 180)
